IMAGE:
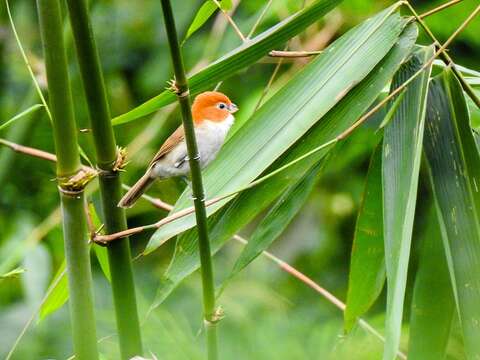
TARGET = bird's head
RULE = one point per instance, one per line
(213, 106)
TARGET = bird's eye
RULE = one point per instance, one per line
(222, 106)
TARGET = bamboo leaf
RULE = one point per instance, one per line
(454, 165)
(393, 109)
(100, 251)
(25, 112)
(12, 273)
(58, 294)
(276, 220)
(367, 263)
(402, 147)
(245, 55)
(203, 14)
(248, 204)
(433, 304)
(291, 112)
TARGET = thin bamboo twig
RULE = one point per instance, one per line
(51, 157)
(259, 19)
(231, 21)
(266, 89)
(319, 289)
(445, 56)
(25, 60)
(158, 203)
(71, 187)
(439, 8)
(211, 315)
(29, 150)
(119, 255)
(293, 54)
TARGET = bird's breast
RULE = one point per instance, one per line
(210, 138)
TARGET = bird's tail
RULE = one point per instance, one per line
(136, 191)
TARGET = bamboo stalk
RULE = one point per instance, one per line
(119, 254)
(181, 88)
(71, 191)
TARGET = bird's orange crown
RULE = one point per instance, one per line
(213, 106)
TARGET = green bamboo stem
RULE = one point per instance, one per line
(182, 91)
(71, 194)
(119, 254)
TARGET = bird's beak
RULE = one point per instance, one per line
(232, 108)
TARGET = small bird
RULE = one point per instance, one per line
(212, 118)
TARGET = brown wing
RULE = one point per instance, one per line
(172, 141)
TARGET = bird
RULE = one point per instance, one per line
(212, 113)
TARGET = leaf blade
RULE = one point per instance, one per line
(402, 147)
(433, 304)
(367, 263)
(454, 167)
(277, 219)
(204, 13)
(57, 293)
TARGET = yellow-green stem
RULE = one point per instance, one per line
(119, 254)
(182, 91)
(71, 191)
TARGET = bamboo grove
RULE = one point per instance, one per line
(415, 247)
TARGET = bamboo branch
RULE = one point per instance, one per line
(230, 20)
(119, 254)
(292, 54)
(313, 285)
(26, 61)
(70, 188)
(259, 19)
(444, 54)
(182, 92)
(439, 8)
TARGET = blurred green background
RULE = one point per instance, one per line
(269, 314)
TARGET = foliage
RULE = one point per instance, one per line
(410, 217)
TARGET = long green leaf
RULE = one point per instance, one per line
(288, 115)
(203, 14)
(58, 294)
(12, 273)
(402, 148)
(276, 220)
(25, 112)
(433, 304)
(454, 165)
(245, 55)
(248, 204)
(367, 263)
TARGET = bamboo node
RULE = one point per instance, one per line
(118, 165)
(173, 86)
(217, 315)
(76, 183)
(120, 162)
